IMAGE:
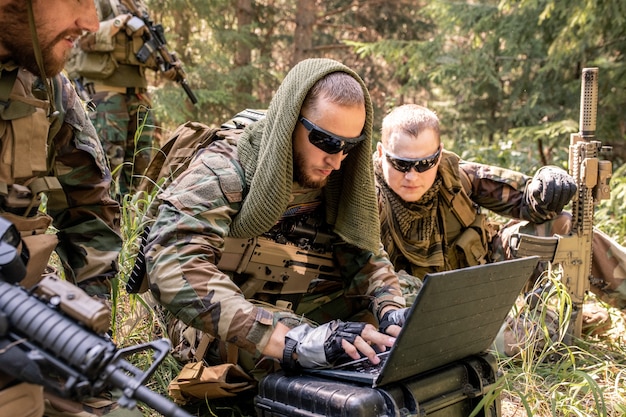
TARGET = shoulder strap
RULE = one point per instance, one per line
(7, 80)
(460, 203)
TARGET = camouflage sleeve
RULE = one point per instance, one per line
(372, 275)
(183, 249)
(87, 218)
(501, 190)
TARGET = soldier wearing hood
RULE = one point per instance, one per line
(310, 156)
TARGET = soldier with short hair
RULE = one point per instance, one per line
(309, 158)
(49, 147)
(430, 201)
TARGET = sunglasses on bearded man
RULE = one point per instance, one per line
(404, 165)
(329, 142)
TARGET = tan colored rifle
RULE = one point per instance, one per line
(275, 269)
(573, 253)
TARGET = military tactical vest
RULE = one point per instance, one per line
(26, 132)
(465, 227)
(27, 129)
(116, 61)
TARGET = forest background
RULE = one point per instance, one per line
(503, 76)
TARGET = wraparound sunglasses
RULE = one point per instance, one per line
(419, 164)
(329, 142)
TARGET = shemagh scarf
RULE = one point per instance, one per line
(408, 229)
(266, 154)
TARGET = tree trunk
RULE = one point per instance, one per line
(303, 36)
(243, 53)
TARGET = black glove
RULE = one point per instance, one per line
(551, 189)
(391, 317)
(319, 346)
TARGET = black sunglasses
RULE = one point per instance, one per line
(329, 142)
(420, 164)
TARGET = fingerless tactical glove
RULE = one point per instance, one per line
(318, 347)
(391, 317)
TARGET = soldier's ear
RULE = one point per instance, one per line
(379, 149)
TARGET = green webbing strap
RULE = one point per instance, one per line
(38, 56)
(7, 80)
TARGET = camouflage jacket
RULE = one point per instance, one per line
(187, 241)
(65, 147)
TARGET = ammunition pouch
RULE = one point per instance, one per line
(472, 245)
(38, 244)
(134, 50)
(22, 400)
(96, 65)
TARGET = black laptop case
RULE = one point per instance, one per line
(454, 390)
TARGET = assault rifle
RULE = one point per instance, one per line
(283, 264)
(574, 252)
(49, 337)
(156, 45)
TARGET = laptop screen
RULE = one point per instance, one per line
(456, 314)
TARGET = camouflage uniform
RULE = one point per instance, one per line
(86, 218)
(52, 149)
(242, 190)
(122, 108)
(502, 192)
(186, 243)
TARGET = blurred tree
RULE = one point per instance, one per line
(506, 71)
(500, 73)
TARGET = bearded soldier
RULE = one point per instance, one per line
(308, 159)
(50, 148)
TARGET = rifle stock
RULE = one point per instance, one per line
(573, 253)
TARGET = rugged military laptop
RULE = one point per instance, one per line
(438, 365)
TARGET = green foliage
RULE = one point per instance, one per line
(504, 77)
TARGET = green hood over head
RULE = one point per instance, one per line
(266, 153)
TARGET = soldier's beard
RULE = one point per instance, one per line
(15, 37)
(301, 177)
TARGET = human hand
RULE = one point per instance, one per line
(172, 73)
(393, 320)
(551, 188)
(322, 346)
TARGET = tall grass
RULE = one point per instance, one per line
(549, 377)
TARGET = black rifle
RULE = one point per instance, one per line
(155, 44)
(41, 345)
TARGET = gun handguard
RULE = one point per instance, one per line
(74, 361)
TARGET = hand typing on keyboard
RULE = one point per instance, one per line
(323, 346)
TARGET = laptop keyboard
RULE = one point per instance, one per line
(364, 366)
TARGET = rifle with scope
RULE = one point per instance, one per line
(54, 335)
(573, 253)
